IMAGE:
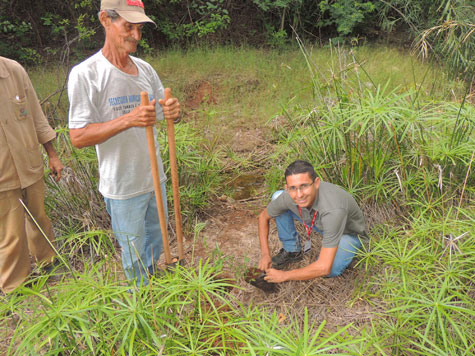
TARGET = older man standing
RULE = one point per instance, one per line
(23, 129)
(105, 111)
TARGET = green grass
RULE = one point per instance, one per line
(426, 287)
(382, 146)
(254, 83)
(392, 130)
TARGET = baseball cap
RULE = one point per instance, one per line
(132, 11)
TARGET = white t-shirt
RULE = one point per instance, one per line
(99, 92)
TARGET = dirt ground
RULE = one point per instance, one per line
(230, 234)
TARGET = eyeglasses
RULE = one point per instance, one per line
(302, 187)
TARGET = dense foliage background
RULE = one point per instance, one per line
(35, 31)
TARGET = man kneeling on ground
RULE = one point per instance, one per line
(322, 206)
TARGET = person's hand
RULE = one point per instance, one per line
(265, 263)
(170, 106)
(275, 276)
(143, 115)
(56, 167)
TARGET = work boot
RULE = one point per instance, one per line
(283, 258)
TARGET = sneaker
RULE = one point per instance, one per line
(283, 258)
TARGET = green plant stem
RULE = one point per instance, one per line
(66, 263)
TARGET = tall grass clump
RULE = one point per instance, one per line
(395, 146)
(199, 162)
(300, 337)
(74, 203)
(183, 312)
(386, 144)
(100, 315)
(424, 278)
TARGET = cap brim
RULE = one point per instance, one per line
(134, 17)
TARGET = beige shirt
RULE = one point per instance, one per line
(23, 128)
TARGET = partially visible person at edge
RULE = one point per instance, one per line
(23, 129)
(105, 111)
(322, 207)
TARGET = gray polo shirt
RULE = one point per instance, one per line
(337, 213)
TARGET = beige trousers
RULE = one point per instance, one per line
(20, 237)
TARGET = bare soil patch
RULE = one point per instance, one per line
(197, 93)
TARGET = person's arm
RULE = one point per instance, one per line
(263, 231)
(321, 267)
(55, 164)
(333, 223)
(93, 134)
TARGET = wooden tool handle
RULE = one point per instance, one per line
(175, 179)
(156, 183)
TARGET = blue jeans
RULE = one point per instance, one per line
(289, 237)
(137, 228)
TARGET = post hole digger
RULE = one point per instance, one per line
(169, 261)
